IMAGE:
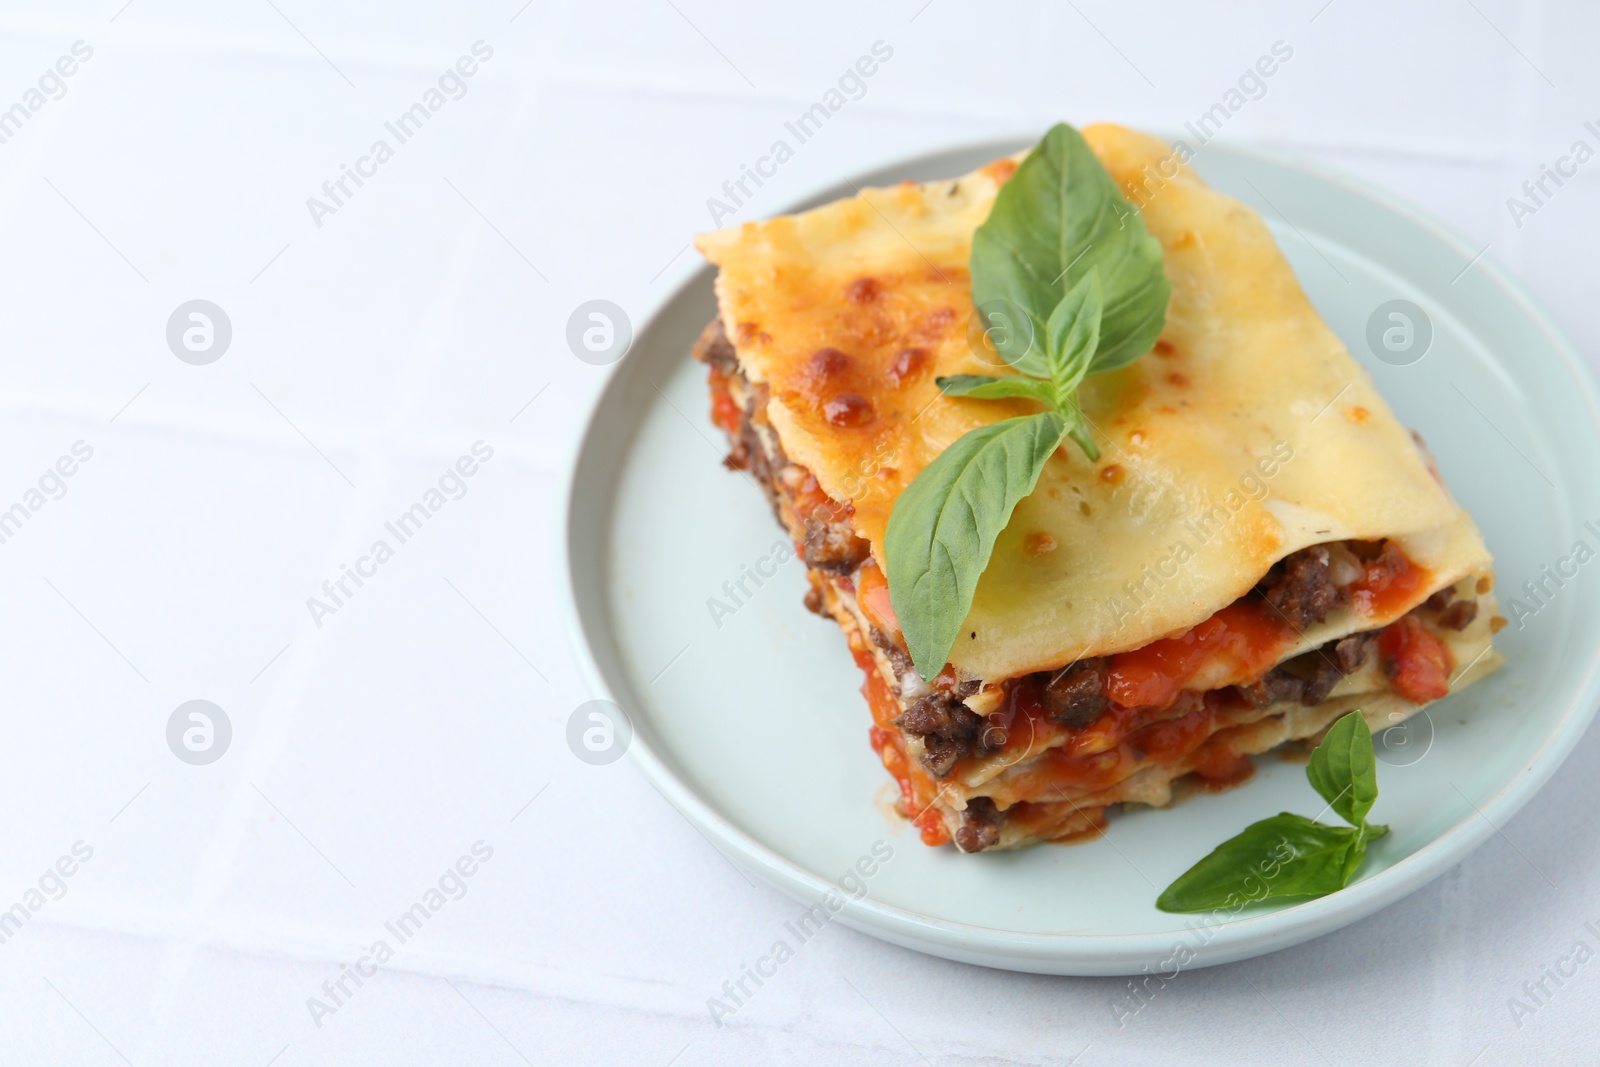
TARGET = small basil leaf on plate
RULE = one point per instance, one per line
(944, 524)
(1285, 856)
(983, 387)
(1358, 851)
(1344, 770)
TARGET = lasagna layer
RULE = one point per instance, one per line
(1247, 436)
(1041, 756)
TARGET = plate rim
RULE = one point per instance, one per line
(1068, 953)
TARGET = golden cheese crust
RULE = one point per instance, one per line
(1249, 433)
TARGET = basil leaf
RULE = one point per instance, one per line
(1066, 282)
(1285, 856)
(1015, 334)
(944, 524)
(1290, 855)
(983, 387)
(1060, 216)
(1358, 851)
(1073, 333)
(1080, 433)
(1344, 770)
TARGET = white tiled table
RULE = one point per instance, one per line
(371, 752)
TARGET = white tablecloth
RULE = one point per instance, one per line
(408, 723)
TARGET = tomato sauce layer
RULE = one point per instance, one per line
(1066, 768)
(724, 409)
(1418, 663)
(1388, 583)
(917, 791)
(1235, 645)
(872, 593)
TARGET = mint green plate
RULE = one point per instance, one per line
(752, 725)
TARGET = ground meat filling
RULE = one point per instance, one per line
(1271, 688)
(1302, 588)
(815, 603)
(1309, 677)
(1351, 652)
(897, 656)
(1459, 616)
(1452, 614)
(751, 454)
(950, 731)
(717, 350)
(980, 826)
(830, 544)
(1075, 695)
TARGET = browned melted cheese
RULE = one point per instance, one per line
(848, 312)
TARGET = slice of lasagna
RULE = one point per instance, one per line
(1260, 548)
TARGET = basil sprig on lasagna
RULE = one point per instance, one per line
(1067, 282)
